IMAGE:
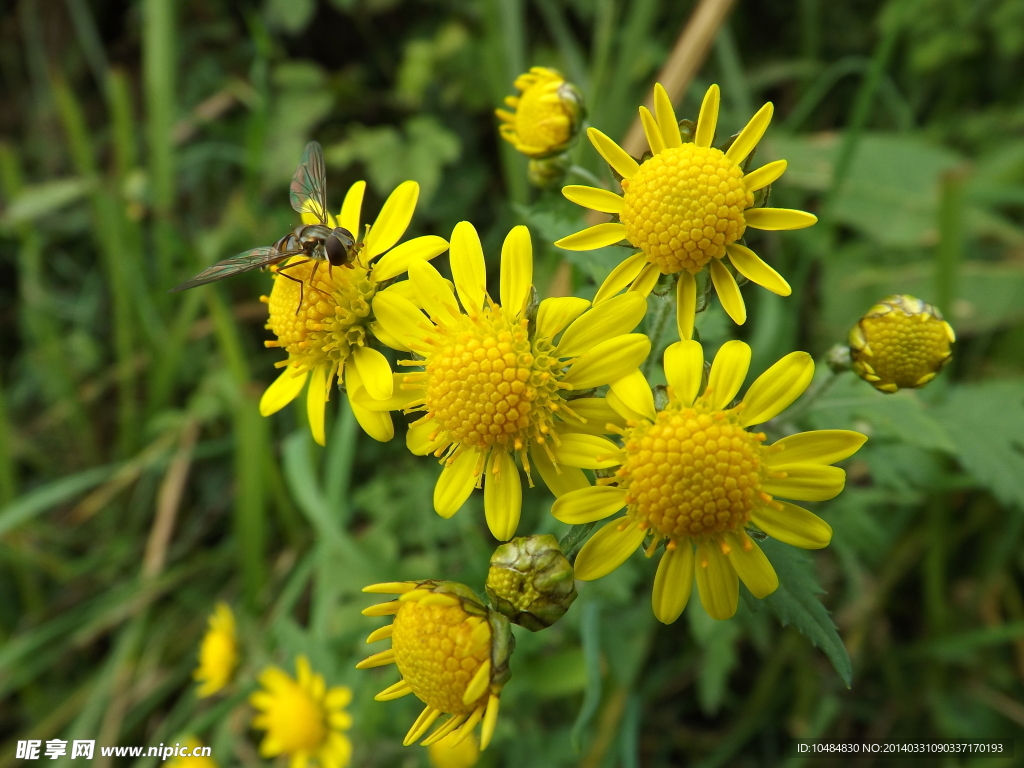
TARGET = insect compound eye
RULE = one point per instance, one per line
(337, 251)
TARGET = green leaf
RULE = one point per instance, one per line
(45, 497)
(44, 199)
(796, 602)
(986, 424)
(717, 640)
(590, 637)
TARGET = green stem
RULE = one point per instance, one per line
(583, 173)
(812, 397)
(572, 539)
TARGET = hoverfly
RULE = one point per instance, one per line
(317, 242)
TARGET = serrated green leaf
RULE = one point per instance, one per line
(986, 424)
(796, 602)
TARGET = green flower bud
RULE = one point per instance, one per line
(531, 582)
(548, 172)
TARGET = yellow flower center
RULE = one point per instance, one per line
(515, 586)
(543, 124)
(684, 206)
(900, 343)
(489, 385)
(295, 721)
(438, 649)
(331, 319)
(694, 471)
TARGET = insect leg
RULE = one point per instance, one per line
(280, 271)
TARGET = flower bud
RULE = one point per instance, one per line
(548, 113)
(548, 172)
(901, 342)
(531, 582)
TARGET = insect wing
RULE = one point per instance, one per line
(243, 262)
(308, 191)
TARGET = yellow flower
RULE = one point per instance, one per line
(900, 343)
(303, 719)
(547, 113)
(218, 652)
(451, 752)
(192, 760)
(333, 324)
(452, 652)
(693, 476)
(686, 208)
(494, 384)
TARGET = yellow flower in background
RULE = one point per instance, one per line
(900, 343)
(694, 476)
(333, 324)
(218, 652)
(192, 761)
(452, 652)
(303, 719)
(452, 752)
(494, 385)
(547, 115)
(685, 208)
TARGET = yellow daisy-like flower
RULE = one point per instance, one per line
(452, 652)
(494, 384)
(686, 208)
(303, 719)
(547, 113)
(901, 342)
(218, 652)
(193, 757)
(450, 752)
(693, 475)
(333, 323)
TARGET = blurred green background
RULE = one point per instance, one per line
(138, 483)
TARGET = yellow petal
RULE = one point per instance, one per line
(595, 414)
(433, 293)
(764, 175)
(554, 314)
(389, 588)
(375, 372)
(775, 389)
(728, 292)
(468, 268)
(704, 136)
(316, 400)
(560, 480)
(727, 373)
(613, 154)
(824, 446)
(456, 482)
(397, 260)
(418, 441)
(285, 388)
(673, 582)
(478, 684)
(401, 318)
(621, 408)
(778, 218)
(587, 451)
(490, 721)
(751, 134)
(717, 582)
(608, 361)
(377, 424)
(646, 280)
(595, 199)
(607, 549)
(597, 236)
(385, 338)
(516, 270)
(752, 267)
(651, 131)
(620, 277)
(587, 505)
(393, 220)
(399, 400)
(805, 482)
(751, 565)
(635, 392)
(351, 208)
(686, 304)
(503, 495)
(396, 691)
(684, 369)
(667, 122)
(618, 315)
(793, 525)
